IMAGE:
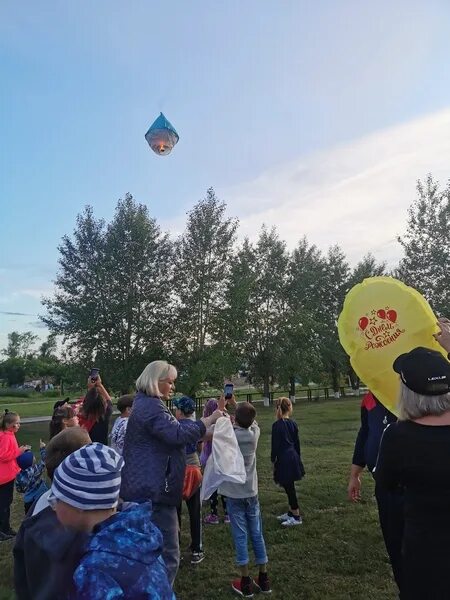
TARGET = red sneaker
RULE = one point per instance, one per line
(262, 584)
(243, 587)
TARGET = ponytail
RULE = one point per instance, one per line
(7, 418)
(283, 405)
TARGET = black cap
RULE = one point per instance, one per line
(424, 371)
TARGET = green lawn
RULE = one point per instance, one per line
(338, 552)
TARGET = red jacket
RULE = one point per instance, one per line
(9, 451)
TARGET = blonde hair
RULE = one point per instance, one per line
(284, 405)
(413, 405)
(153, 373)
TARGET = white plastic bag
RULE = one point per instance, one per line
(226, 462)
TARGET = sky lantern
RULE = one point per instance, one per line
(162, 136)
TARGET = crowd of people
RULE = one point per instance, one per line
(108, 526)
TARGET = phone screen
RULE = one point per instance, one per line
(94, 374)
(228, 390)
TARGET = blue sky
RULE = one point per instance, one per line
(306, 115)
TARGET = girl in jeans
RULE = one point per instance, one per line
(286, 458)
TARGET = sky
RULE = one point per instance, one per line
(315, 117)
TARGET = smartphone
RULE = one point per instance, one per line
(94, 374)
(228, 390)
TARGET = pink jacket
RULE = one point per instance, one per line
(9, 451)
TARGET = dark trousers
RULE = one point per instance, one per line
(390, 512)
(214, 503)
(6, 498)
(195, 521)
(289, 488)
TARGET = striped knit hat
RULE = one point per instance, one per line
(89, 478)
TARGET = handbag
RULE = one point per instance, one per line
(192, 481)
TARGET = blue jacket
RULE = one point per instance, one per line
(123, 560)
(374, 419)
(154, 452)
(29, 481)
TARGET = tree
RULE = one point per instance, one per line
(13, 370)
(306, 273)
(257, 306)
(203, 257)
(20, 344)
(48, 348)
(426, 262)
(367, 267)
(112, 293)
(333, 287)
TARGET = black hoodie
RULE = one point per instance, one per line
(45, 557)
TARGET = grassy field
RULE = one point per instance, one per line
(337, 553)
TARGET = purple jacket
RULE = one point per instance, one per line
(154, 452)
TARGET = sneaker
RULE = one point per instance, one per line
(211, 520)
(284, 516)
(292, 521)
(5, 536)
(243, 587)
(226, 520)
(197, 557)
(262, 584)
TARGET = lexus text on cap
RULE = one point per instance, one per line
(424, 371)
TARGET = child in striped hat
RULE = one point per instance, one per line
(123, 555)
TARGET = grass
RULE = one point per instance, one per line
(338, 552)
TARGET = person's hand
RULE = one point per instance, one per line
(443, 337)
(24, 449)
(221, 403)
(232, 401)
(354, 488)
(216, 415)
(41, 444)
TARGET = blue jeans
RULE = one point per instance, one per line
(166, 519)
(245, 518)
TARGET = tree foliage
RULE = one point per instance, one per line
(426, 262)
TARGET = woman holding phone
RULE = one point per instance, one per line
(96, 409)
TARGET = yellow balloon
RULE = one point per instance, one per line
(381, 319)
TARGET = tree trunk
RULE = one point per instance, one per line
(266, 388)
(335, 379)
(292, 386)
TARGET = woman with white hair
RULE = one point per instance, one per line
(415, 455)
(154, 454)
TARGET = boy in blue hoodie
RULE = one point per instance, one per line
(122, 558)
(29, 481)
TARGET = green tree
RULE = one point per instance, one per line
(112, 294)
(333, 287)
(48, 348)
(257, 306)
(20, 344)
(306, 274)
(203, 257)
(13, 370)
(426, 262)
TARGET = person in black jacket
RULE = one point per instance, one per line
(286, 458)
(415, 456)
(374, 419)
(45, 553)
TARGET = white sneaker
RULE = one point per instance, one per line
(291, 522)
(283, 517)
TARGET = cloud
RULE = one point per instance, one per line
(16, 314)
(356, 194)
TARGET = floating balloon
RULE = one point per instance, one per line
(162, 136)
(381, 319)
